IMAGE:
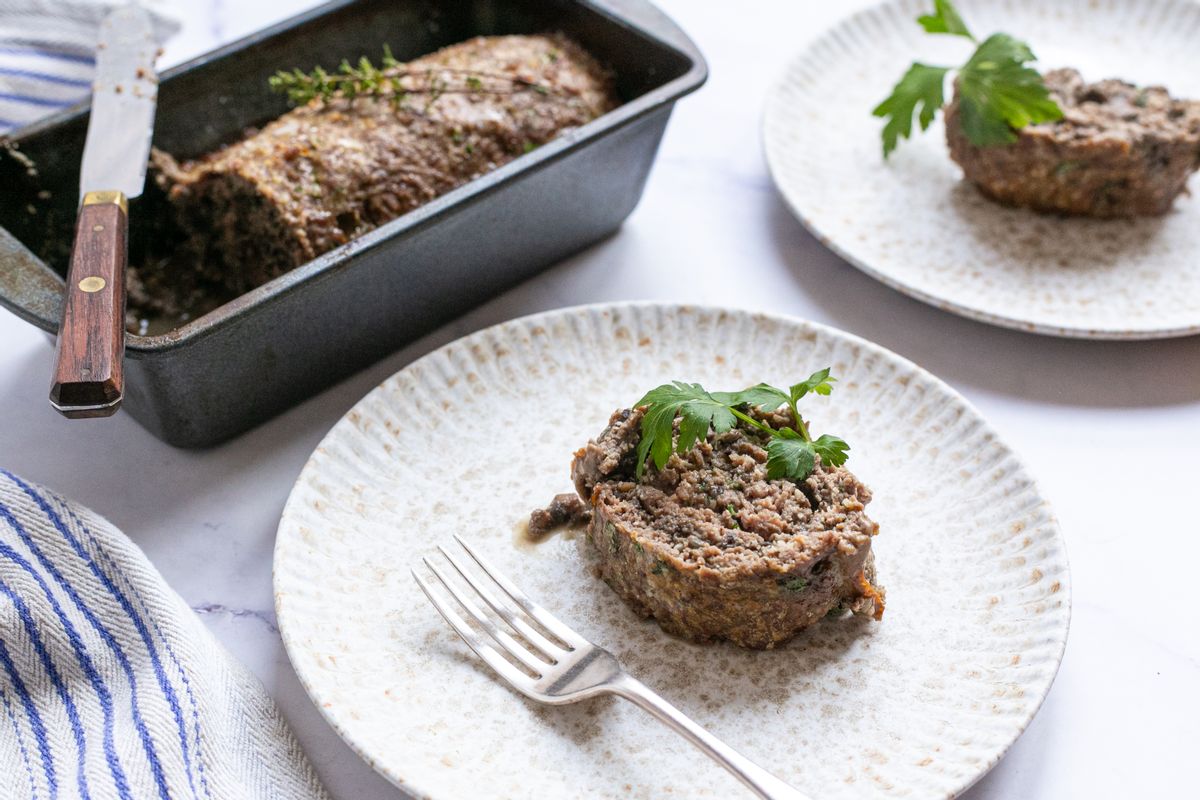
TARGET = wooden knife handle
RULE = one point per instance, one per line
(88, 375)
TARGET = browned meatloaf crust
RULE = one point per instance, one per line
(712, 549)
(329, 171)
(1118, 151)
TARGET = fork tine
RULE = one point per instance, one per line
(506, 642)
(547, 620)
(540, 642)
(493, 659)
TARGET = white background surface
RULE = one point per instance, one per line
(1112, 430)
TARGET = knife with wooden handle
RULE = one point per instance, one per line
(89, 355)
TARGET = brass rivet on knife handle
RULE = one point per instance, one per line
(88, 374)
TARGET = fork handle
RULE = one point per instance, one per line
(761, 782)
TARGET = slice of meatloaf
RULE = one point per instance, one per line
(713, 549)
(331, 170)
(1118, 151)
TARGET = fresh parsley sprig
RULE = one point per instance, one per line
(997, 91)
(791, 452)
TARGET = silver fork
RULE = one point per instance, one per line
(563, 667)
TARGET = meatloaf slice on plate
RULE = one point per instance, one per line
(713, 549)
(1118, 151)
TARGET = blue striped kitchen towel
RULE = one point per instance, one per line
(47, 54)
(110, 686)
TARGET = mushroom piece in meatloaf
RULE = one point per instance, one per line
(713, 549)
(1118, 151)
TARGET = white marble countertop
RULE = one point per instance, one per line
(1112, 430)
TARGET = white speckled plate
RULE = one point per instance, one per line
(915, 225)
(473, 436)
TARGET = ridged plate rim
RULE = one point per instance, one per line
(291, 626)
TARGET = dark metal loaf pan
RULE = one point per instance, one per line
(265, 351)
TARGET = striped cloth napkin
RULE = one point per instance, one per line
(47, 54)
(110, 687)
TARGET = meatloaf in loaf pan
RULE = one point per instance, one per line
(336, 168)
(714, 550)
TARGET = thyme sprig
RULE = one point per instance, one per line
(364, 79)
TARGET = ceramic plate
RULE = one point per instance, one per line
(915, 225)
(472, 437)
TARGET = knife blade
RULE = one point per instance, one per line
(124, 93)
(89, 354)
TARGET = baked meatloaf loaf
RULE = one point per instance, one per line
(712, 549)
(1118, 151)
(333, 169)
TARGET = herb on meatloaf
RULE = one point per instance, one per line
(997, 91)
(793, 585)
(791, 451)
(366, 79)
